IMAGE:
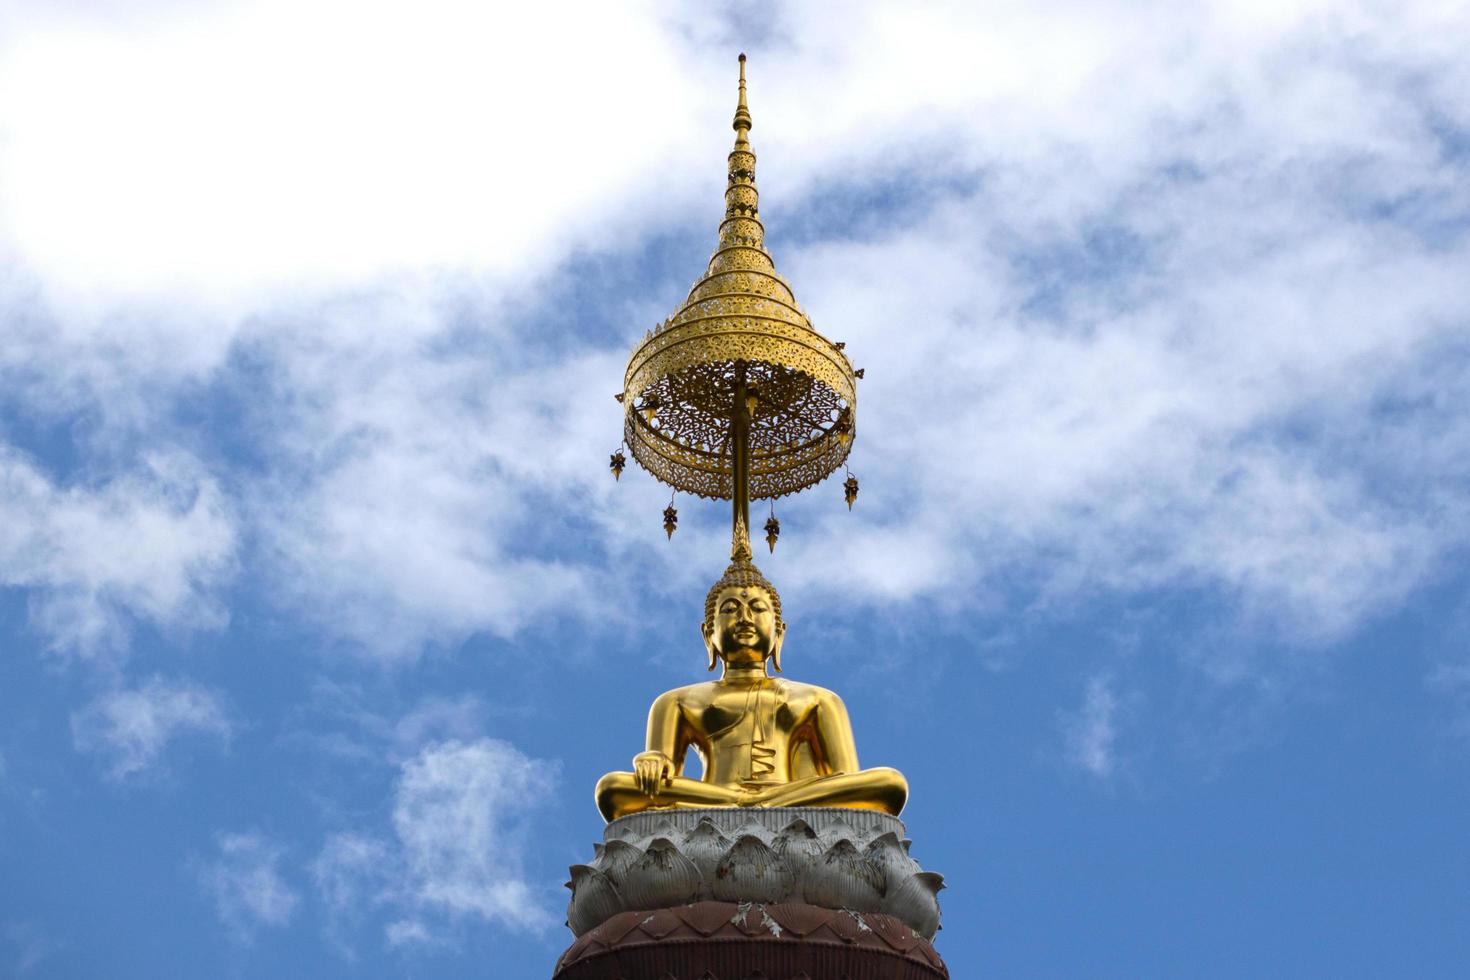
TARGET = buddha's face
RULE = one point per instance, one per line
(744, 628)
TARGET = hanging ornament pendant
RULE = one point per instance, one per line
(773, 531)
(850, 490)
(616, 463)
(671, 520)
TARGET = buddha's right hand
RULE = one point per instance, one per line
(650, 769)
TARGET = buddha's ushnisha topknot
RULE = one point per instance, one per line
(742, 574)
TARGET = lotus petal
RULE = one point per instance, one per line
(753, 828)
(705, 846)
(751, 872)
(932, 880)
(836, 831)
(887, 855)
(620, 829)
(843, 879)
(616, 858)
(799, 846)
(595, 899)
(661, 878)
(912, 900)
(662, 827)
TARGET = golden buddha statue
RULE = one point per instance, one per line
(765, 741)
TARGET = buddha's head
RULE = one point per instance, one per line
(742, 617)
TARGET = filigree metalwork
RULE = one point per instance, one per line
(736, 396)
(680, 387)
(800, 429)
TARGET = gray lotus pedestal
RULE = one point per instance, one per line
(783, 892)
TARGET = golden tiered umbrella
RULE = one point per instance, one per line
(736, 396)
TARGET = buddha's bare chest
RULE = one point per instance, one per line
(739, 715)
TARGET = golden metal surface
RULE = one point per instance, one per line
(764, 741)
(736, 397)
(739, 328)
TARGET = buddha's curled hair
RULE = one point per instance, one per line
(742, 574)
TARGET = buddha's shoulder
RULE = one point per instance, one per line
(689, 694)
(794, 690)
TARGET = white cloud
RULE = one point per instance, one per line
(150, 543)
(459, 815)
(1091, 733)
(246, 884)
(460, 811)
(348, 865)
(1179, 291)
(1219, 432)
(439, 719)
(373, 138)
(131, 728)
(1207, 339)
(406, 931)
(404, 494)
(353, 874)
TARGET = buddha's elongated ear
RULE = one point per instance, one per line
(776, 645)
(709, 642)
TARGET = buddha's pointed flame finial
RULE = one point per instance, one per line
(740, 541)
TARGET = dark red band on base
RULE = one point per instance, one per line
(726, 941)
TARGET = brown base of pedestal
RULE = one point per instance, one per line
(726, 941)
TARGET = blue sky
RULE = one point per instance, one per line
(320, 615)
